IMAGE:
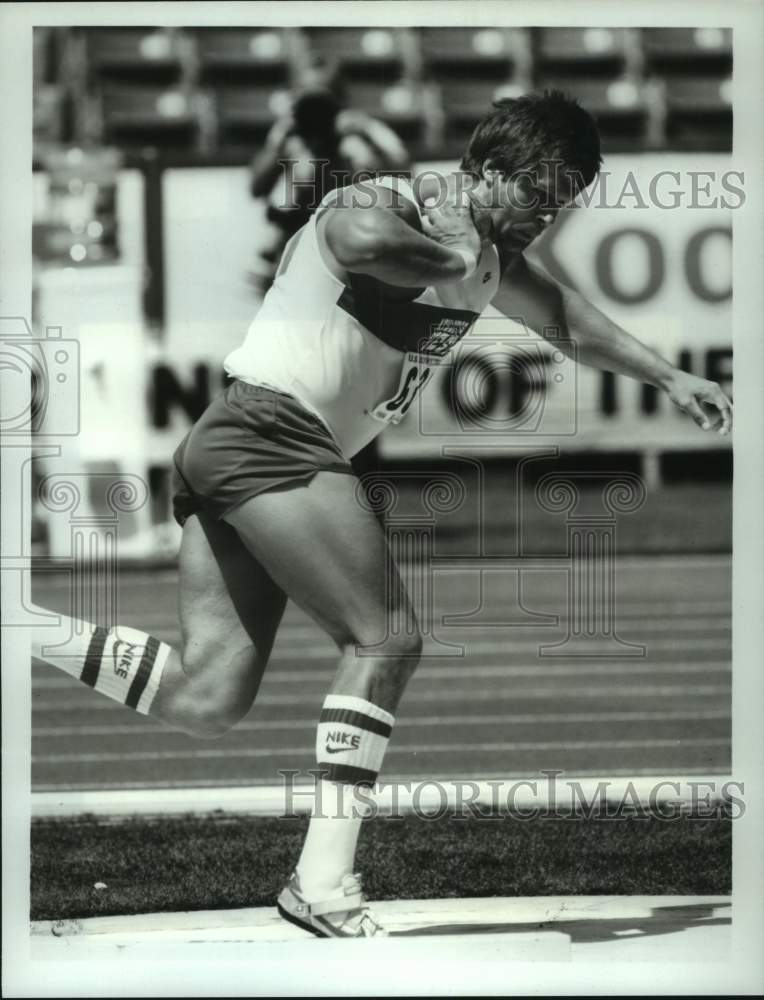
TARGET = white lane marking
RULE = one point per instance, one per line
(89, 704)
(541, 670)
(686, 613)
(474, 648)
(498, 747)
(680, 561)
(445, 776)
(268, 725)
(458, 632)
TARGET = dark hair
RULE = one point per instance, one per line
(522, 132)
(315, 113)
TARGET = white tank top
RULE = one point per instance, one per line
(355, 360)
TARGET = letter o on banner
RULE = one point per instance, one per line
(472, 407)
(692, 255)
(655, 266)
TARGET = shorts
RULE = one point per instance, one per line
(249, 439)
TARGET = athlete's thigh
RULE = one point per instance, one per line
(328, 553)
(227, 600)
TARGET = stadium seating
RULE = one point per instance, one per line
(147, 115)
(52, 111)
(444, 47)
(691, 51)
(582, 51)
(208, 89)
(692, 67)
(699, 109)
(246, 112)
(143, 54)
(398, 104)
(358, 52)
(230, 55)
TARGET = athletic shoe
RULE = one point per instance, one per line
(342, 915)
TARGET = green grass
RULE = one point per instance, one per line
(202, 863)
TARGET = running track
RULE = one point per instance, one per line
(499, 710)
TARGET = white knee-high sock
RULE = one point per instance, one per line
(351, 741)
(123, 663)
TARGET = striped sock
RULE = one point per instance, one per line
(123, 663)
(351, 741)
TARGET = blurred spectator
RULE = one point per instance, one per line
(326, 145)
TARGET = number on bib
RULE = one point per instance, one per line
(415, 373)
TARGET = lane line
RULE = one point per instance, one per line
(680, 645)
(540, 671)
(456, 695)
(475, 648)
(679, 561)
(649, 615)
(234, 782)
(422, 721)
(209, 753)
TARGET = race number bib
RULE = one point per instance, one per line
(415, 374)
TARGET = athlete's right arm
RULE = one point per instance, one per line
(371, 231)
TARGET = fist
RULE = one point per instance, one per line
(449, 220)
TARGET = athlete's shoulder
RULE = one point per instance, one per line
(388, 192)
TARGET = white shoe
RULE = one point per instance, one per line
(344, 914)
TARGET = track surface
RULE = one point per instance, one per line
(499, 709)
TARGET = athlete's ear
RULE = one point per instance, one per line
(491, 173)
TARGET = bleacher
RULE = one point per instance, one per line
(216, 91)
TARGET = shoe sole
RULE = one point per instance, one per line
(290, 918)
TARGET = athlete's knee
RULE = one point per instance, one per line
(210, 707)
(210, 721)
(408, 648)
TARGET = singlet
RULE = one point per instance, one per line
(355, 360)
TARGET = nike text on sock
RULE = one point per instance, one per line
(126, 664)
(123, 663)
(351, 739)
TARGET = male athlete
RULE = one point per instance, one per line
(267, 499)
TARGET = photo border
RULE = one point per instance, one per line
(431, 971)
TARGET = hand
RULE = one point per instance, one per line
(349, 120)
(279, 132)
(689, 392)
(449, 220)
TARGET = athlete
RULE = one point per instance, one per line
(361, 303)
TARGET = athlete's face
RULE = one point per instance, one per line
(523, 206)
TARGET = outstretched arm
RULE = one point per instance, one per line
(530, 295)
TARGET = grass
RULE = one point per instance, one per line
(193, 863)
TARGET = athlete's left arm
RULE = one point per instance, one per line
(529, 294)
